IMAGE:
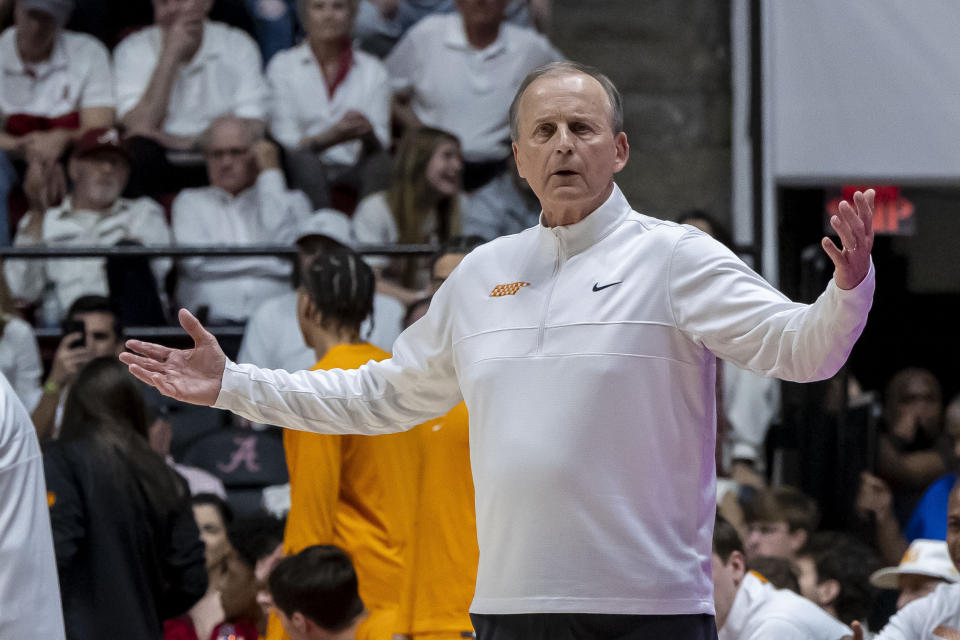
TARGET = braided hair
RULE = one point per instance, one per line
(340, 285)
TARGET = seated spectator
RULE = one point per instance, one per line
(459, 72)
(213, 515)
(273, 339)
(246, 203)
(316, 596)
(938, 614)
(92, 214)
(256, 548)
(835, 573)
(172, 80)
(128, 551)
(780, 522)
(749, 608)
(925, 566)
(504, 206)
(912, 450)
(90, 331)
(19, 355)
(55, 85)
(199, 481)
(928, 519)
(380, 23)
(423, 205)
(331, 107)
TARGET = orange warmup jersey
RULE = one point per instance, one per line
(442, 557)
(356, 492)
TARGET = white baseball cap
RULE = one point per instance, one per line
(328, 223)
(922, 558)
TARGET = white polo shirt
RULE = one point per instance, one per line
(224, 76)
(141, 220)
(301, 104)
(76, 76)
(761, 612)
(20, 361)
(232, 288)
(585, 355)
(462, 90)
(29, 588)
(934, 616)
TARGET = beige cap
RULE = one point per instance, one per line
(922, 558)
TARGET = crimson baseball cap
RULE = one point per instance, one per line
(101, 139)
(59, 9)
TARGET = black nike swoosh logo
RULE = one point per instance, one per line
(597, 287)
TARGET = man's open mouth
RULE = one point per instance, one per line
(565, 172)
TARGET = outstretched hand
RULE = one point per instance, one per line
(190, 375)
(854, 224)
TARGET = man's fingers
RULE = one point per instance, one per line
(158, 352)
(845, 224)
(148, 364)
(142, 374)
(866, 215)
(193, 327)
(832, 251)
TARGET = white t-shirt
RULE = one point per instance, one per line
(142, 220)
(224, 76)
(29, 588)
(462, 90)
(761, 612)
(585, 356)
(934, 616)
(301, 105)
(266, 213)
(76, 76)
(20, 361)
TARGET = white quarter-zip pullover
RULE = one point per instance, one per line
(585, 355)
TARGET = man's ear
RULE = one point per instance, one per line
(300, 622)
(827, 592)
(516, 159)
(623, 151)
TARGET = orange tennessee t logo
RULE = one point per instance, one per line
(507, 289)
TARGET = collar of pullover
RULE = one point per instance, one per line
(597, 225)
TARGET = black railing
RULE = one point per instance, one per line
(213, 251)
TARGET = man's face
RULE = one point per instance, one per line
(727, 577)
(230, 162)
(36, 32)
(482, 12)
(167, 12)
(99, 178)
(772, 539)
(565, 148)
(953, 525)
(329, 20)
(101, 338)
(921, 400)
(914, 587)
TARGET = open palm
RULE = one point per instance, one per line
(190, 375)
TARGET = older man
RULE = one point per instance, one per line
(584, 349)
(92, 214)
(247, 202)
(173, 79)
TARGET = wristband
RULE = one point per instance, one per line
(51, 387)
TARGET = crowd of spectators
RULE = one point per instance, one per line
(322, 125)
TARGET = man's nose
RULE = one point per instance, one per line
(564, 140)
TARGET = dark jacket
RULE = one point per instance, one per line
(123, 566)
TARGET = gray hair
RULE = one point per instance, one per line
(254, 129)
(562, 69)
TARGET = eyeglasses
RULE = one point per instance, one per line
(227, 152)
